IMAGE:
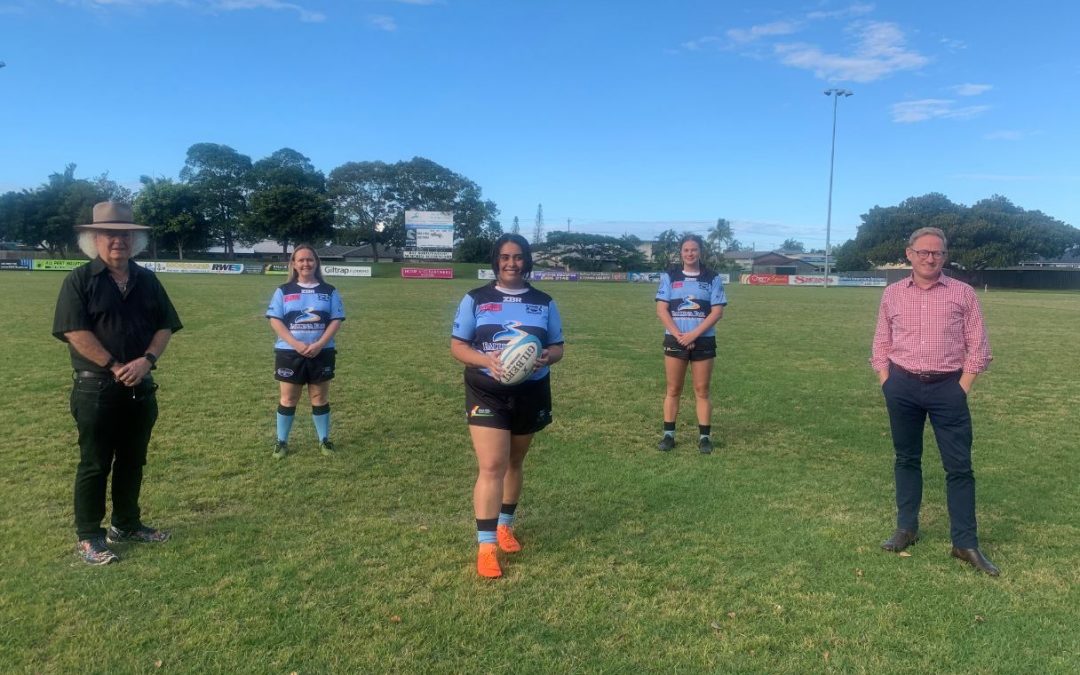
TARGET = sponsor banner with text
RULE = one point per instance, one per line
(427, 273)
(427, 254)
(20, 264)
(764, 279)
(861, 281)
(811, 280)
(196, 267)
(278, 269)
(486, 275)
(346, 271)
(50, 264)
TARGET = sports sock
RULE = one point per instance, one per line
(284, 422)
(704, 430)
(320, 415)
(669, 429)
(506, 514)
(485, 530)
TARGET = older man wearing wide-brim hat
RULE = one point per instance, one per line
(117, 320)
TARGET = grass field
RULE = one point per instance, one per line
(760, 558)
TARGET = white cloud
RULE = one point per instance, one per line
(305, 15)
(700, 43)
(1009, 135)
(953, 44)
(925, 109)
(747, 35)
(857, 9)
(968, 89)
(383, 22)
(880, 50)
(208, 5)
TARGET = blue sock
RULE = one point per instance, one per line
(506, 514)
(485, 530)
(284, 422)
(320, 414)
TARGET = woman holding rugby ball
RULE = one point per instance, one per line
(503, 418)
(305, 313)
(689, 302)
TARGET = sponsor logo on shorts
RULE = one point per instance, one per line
(477, 411)
(490, 307)
(285, 372)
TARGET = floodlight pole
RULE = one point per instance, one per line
(836, 94)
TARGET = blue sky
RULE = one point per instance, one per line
(622, 116)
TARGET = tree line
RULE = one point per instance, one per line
(224, 199)
(990, 233)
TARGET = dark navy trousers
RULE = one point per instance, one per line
(910, 402)
(114, 425)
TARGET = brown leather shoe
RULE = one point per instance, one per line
(900, 540)
(975, 557)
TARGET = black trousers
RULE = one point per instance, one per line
(114, 424)
(910, 402)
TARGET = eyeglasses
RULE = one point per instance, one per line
(123, 234)
(923, 255)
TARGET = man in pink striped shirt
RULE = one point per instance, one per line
(929, 346)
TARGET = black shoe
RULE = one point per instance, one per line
(705, 445)
(140, 535)
(666, 443)
(281, 449)
(327, 447)
(977, 560)
(95, 552)
(900, 540)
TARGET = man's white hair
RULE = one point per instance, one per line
(139, 240)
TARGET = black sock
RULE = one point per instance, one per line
(704, 429)
(669, 428)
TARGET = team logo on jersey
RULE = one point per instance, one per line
(534, 309)
(688, 305)
(509, 333)
(307, 315)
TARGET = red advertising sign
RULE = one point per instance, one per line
(766, 279)
(427, 273)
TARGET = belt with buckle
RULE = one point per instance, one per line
(93, 375)
(928, 378)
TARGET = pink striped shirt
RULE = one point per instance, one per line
(935, 330)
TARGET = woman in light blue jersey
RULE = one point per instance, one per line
(305, 313)
(689, 302)
(503, 418)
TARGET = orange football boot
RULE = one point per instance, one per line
(487, 561)
(508, 543)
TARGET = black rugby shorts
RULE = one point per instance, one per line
(289, 366)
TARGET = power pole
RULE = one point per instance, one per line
(538, 232)
(516, 227)
(567, 225)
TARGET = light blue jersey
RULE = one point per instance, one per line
(691, 298)
(306, 312)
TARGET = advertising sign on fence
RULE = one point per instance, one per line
(811, 280)
(50, 264)
(427, 273)
(861, 281)
(20, 264)
(764, 279)
(346, 271)
(429, 235)
(276, 268)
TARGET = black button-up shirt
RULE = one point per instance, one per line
(123, 323)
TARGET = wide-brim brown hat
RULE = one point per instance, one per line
(112, 216)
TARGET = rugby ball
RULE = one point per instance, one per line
(518, 359)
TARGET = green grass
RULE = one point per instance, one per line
(761, 558)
